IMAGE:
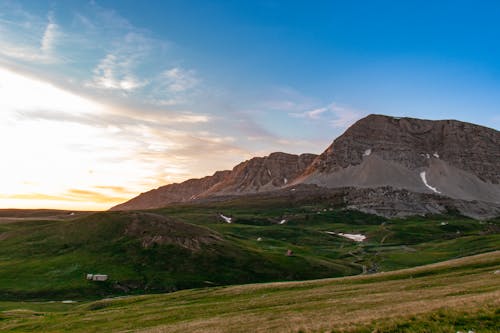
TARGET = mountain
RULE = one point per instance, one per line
(448, 157)
(377, 158)
(259, 174)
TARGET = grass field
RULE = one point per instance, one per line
(45, 255)
(457, 295)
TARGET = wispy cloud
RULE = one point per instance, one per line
(337, 116)
(286, 99)
(130, 114)
(30, 41)
(49, 36)
(179, 80)
(115, 72)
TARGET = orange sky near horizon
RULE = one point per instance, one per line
(58, 152)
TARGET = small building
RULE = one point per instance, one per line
(97, 277)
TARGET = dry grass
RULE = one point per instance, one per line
(466, 284)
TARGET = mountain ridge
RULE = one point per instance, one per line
(256, 174)
(444, 157)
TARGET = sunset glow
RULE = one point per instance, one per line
(56, 162)
(60, 156)
(100, 101)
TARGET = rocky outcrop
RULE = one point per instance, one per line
(153, 229)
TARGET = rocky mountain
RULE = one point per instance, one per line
(447, 157)
(259, 174)
(444, 158)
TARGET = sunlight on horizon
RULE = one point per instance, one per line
(52, 160)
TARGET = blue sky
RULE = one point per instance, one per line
(179, 89)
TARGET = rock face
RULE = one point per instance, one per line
(263, 174)
(376, 159)
(448, 157)
(413, 142)
(258, 174)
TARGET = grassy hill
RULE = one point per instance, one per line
(45, 255)
(457, 295)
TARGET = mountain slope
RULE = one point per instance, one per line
(255, 175)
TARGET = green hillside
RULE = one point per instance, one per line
(458, 295)
(191, 246)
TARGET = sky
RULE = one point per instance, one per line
(102, 100)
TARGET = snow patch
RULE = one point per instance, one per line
(269, 172)
(436, 155)
(225, 218)
(354, 237)
(424, 180)
(259, 239)
(427, 156)
(282, 222)
(367, 152)
(285, 180)
(444, 223)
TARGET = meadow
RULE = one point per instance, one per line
(184, 268)
(457, 295)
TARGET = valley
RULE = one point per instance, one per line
(376, 227)
(190, 246)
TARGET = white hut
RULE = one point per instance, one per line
(97, 277)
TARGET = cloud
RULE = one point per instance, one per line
(286, 99)
(115, 72)
(337, 116)
(136, 119)
(344, 116)
(87, 145)
(178, 80)
(28, 38)
(49, 36)
(316, 113)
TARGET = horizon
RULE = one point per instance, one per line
(103, 100)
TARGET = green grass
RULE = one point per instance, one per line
(462, 294)
(47, 259)
(484, 320)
